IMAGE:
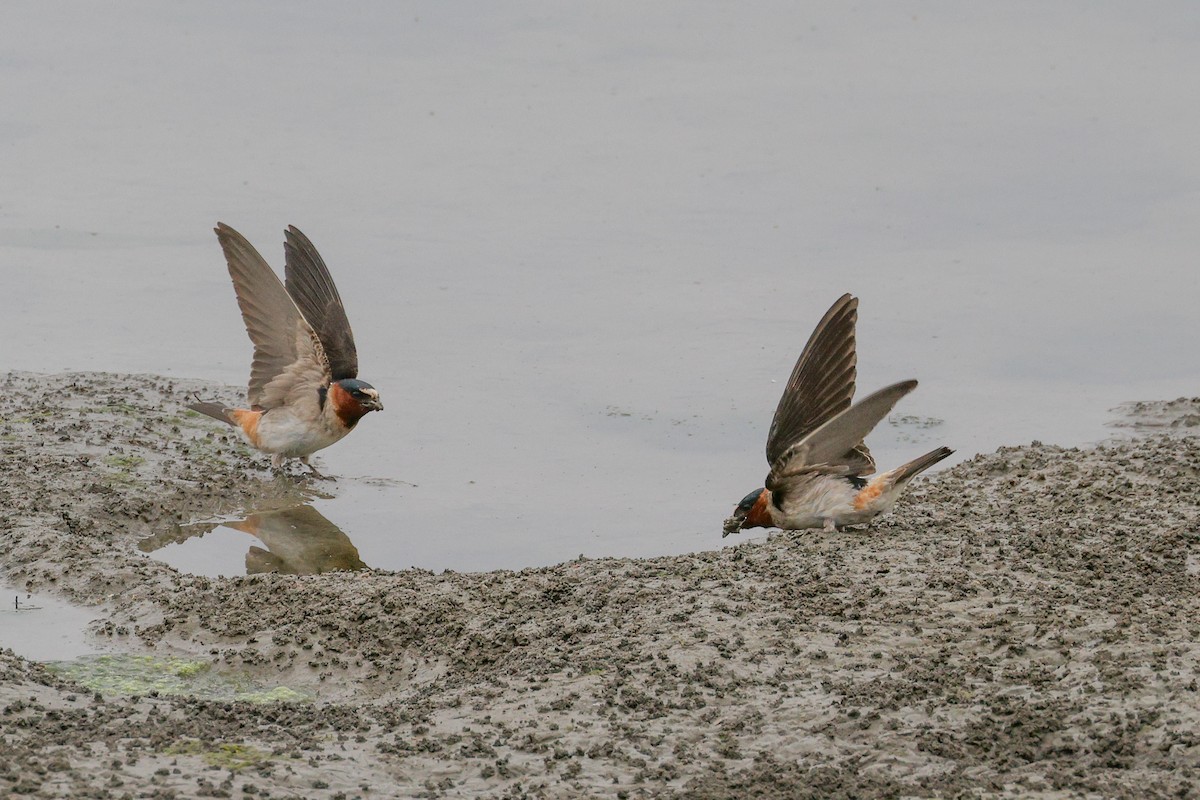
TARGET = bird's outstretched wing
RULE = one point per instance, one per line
(289, 361)
(313, 290)
(830, 448)
(822, 382)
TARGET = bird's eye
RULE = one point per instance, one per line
(358, 393)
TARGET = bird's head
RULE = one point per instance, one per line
(353, 399)
(750, 513)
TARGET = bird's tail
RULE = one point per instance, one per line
(906, 472)
(214, 410)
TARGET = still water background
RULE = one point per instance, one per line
(581, 245)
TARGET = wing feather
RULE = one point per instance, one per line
(288, 359)
(830, 448)
(822, 382)
(313, 290)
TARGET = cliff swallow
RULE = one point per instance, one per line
(304, 392)
(815, 446)
(299, 541)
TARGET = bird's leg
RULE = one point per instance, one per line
(313, 471)
(279, 465)
(830, 525)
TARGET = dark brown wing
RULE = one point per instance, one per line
(309, 284)
(830, 448)
(288, 359)
(822, 382)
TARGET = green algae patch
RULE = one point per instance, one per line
(143, 675)
(280, 694)
(124, 462)
(222, 756)
(26, 419)
(190, 669)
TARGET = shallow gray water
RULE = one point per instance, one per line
(42, 627)
(581, 246)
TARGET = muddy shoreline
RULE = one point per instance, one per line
(1026, 624)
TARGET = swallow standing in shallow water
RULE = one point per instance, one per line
(304, 393)
(815, 446)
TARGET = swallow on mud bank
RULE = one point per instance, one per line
(815, 447)
(304, 393)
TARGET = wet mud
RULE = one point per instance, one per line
(1025, 624)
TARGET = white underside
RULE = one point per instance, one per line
(829, 501)
(280, 432)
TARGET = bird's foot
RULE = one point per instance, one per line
(313, 472)
(830, 525)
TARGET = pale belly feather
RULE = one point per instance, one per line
(828, 497)
(824, 497)
(280, 431)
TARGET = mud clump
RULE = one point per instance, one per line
(1181, 415)
(1025, 624)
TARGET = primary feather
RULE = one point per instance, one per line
(311, 287)
(822, 383)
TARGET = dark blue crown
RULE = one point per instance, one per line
(749, 500)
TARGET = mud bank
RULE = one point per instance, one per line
(1026, 624)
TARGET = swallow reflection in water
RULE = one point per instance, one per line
(815, 447)
(299, 541)
(304, 393)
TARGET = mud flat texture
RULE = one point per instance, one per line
(1026, 624)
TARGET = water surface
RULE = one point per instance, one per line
(581, 246)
